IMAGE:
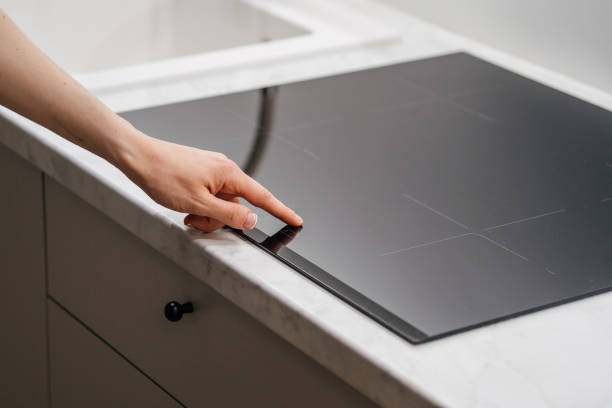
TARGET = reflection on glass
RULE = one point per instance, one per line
(282, 238)
(265, 120)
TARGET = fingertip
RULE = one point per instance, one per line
(294, 220)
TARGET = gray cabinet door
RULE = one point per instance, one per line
(217, 356)
(23, 355)
(85, 372)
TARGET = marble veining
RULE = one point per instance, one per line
(558, 357)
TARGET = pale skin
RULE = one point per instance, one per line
(206, 185)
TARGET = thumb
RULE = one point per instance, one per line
(205, 224)
(230, 213)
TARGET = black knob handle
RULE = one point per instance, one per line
(174, 310)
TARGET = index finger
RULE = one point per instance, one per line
(260, 197)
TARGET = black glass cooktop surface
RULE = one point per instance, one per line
(438, 195)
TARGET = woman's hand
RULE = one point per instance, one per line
(207, 185)
(204, 184)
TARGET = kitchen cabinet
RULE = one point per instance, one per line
(23, 345)
(118, 286)
(85, 372)
(84, 320)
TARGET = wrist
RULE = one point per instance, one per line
(128, 150)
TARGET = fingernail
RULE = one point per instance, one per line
(250, 221)
(300, 218)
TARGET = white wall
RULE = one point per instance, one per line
(573, 37)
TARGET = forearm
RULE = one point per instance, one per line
(32, 85)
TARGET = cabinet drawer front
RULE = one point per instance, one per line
(118, 286)
(85, 372)
(23, 345)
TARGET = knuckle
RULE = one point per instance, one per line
(233, 217)
(227, 165)
(232, 165)
(231, 214)
(239, 215)
(267, 197)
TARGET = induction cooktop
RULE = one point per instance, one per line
(438, 195)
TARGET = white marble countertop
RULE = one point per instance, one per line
(557, 357)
